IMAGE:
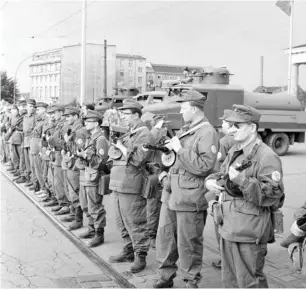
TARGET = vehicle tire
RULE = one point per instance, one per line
(279, 142)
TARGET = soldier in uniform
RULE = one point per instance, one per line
(74, 140)
(35, 145)
(126, 181)
(56, 144)
(14, 135)
(184, 207)
(29, 121)
(21, 178)
(94, 155)
(249, 198)
(226, 142)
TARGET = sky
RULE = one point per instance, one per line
(200, 33)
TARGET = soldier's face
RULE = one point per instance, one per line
(225, 127)
(52, 116)
(128, 117)
(242, 131)
(187, 111)
(22, 108)
(58, 114)
(30, 108)
(90, 124)
(40, 110)
(70, 119)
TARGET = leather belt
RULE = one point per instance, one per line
(227, 197)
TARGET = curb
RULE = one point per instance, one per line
(91, 255)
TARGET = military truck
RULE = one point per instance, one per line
(150, 97)
(283, 120)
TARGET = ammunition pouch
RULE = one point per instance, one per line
(217, 213)
(90, 174)
(52, 155)
(231, 188)
(104, 185)
(150, 186)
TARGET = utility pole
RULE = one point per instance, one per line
(261, 70)
(83, 55)
(105, 68)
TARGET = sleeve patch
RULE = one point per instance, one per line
(79, 141)
(276, 176)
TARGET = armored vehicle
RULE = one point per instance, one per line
(283, 120)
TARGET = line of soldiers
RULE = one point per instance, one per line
(71, 166)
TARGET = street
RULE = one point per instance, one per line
(34, 253)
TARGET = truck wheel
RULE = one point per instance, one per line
(279, 142)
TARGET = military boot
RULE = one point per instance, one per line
(10, 169)
(17, 174)
(122, 257)
(28, 184)
(21, 180)
(163, 284)
(89, 234)
(189, 284)
(98, 238)
(139, 263)
(78, 220)
(67, 219)
(52, 203)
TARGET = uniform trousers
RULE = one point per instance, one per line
(180, 237)
(153, 211)
(242, 264)
(73, 187)
(91, 203)
(16, 152)
(38, 170)
(131, 220)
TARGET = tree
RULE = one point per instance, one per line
(7, 87)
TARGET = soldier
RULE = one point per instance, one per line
(35, 145)
(29, 121)
(95, 156)
(184, 207)
(56, 144)
(249, 197)
(226, 142)
(126, 181)
(14, 135)
(21, 178)
(74, 140)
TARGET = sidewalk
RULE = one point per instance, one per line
(278, 267)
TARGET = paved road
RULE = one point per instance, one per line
(34, 253)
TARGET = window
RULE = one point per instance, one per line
(48, 67)
(130, 73)
(121, 73)
(121, 62)
(50, 90)
(55, 91)
(140, 89)
(130, 82)
(139, 69)
(130, 63)
(139, 80)
(46, 91)
(40, 92)
(33, 92)
(50, 78)
(57, 66)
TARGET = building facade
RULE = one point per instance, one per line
(131, 71)
(55, 74)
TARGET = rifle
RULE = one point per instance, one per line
(11, 130)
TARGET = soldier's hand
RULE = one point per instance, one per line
(62, 152)
(48, 152)
(47, 137)
(236, 176)
(159, 124)
(212, 186)
(174, 144)
(67, 137)
(40, 154)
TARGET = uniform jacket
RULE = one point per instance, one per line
(248, 218)
(15, 124)
(96, 148)
(35, 141)
(28, 126)
(300, 212)
(56, 141)
(46, 128)
(226, 144)
(128, 177)
(194, 162)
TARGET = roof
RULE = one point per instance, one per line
(121, 55)
(173, 69)
(297, 47)
(268, 89)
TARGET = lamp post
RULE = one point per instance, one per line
(16, 75)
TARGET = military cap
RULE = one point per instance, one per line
(31, 101)
(93, 114)
(226, 113)
(41, 104)
(243, 113)
(130, 103)
(71, 110)
(22, 102)
(55, 107)
(194, 97)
